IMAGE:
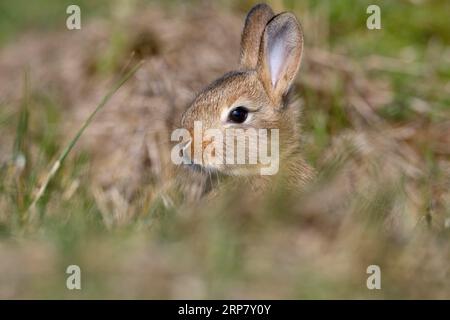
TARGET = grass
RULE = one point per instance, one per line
(317, 245)
(22, 127)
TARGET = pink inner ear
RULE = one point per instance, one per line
(277, 59)
(276, 53)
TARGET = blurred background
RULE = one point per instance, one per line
(376, 126)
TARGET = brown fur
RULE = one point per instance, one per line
(253, 88)
(256, 21)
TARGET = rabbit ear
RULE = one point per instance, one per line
(255, 23)
(280, 54)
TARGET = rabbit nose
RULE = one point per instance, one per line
(186, 144)
(185, 149)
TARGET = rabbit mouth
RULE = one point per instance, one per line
(202, 169)
(194, 166)
(232, 170)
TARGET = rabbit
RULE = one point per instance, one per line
(258, 95)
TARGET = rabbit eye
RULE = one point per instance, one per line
(238, 115)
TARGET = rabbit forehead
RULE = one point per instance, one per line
(225, 92)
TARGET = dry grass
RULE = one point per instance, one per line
(376, 127)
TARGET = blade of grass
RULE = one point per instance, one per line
(57, 165)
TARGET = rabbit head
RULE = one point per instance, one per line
(253, 97)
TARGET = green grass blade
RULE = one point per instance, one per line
(77, 136)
